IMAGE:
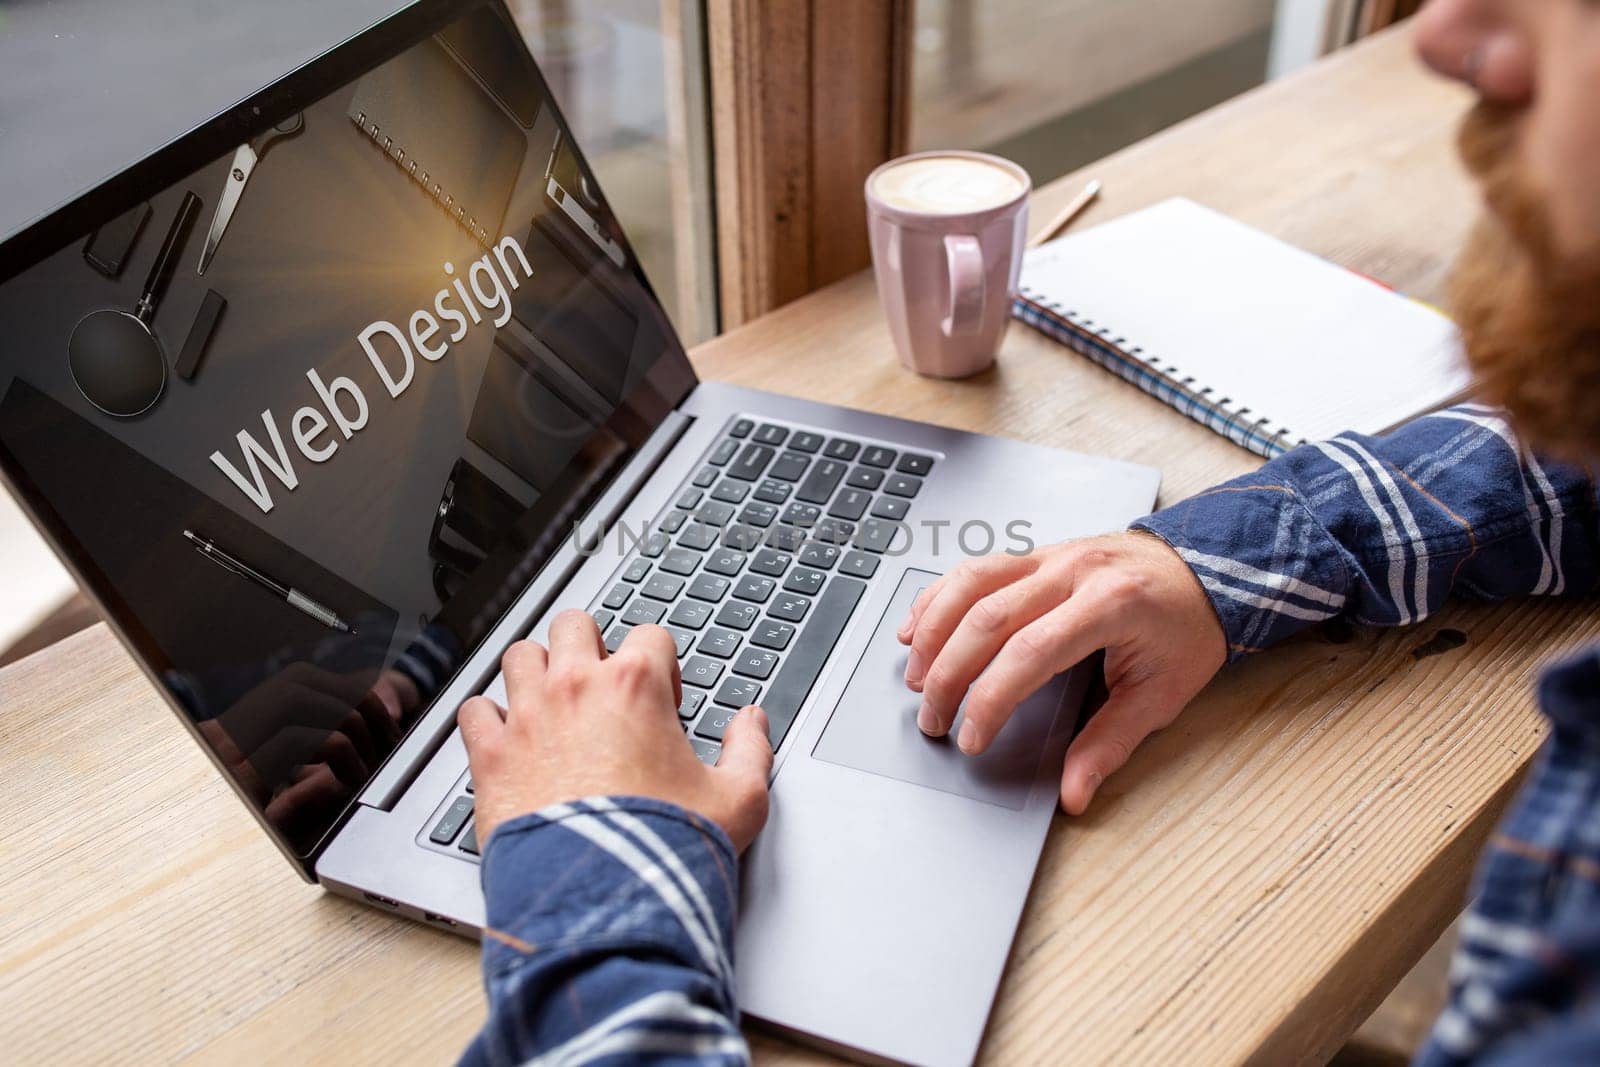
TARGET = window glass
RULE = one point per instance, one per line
(1055, 86)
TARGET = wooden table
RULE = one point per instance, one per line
(1247, 889)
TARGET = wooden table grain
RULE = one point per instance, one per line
(1247, 889)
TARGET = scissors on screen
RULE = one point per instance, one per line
(244, 165)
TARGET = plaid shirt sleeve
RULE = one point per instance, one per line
(610, 920)
(609, 937)
(1383, 529)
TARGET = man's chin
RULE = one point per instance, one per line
(1530, 319)
(1532, 336)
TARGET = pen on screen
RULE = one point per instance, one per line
(1067, 214)
(294, 597)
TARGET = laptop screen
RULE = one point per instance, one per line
(309, 396)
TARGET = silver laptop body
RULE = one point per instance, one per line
(879, 904)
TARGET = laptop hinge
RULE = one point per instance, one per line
(407, 762)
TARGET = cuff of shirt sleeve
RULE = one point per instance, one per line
(614, 871)
(1234, 544)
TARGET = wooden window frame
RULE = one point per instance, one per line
(807, 97)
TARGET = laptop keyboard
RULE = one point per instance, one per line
(755, 570)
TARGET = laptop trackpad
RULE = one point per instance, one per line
(874, 726)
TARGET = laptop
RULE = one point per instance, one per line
(334, 397)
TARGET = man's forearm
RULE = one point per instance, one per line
(609, 933)
(1385, 528)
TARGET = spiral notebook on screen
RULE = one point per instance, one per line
(1268, 345)
(442, 129)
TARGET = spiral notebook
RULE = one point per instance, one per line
(442, 129)
(1266, 344)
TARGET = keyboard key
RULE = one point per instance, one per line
(802, 665)
(743, 538)
(643, 612)
(805, 442)
(689, 499)
(690, 614)
(617, 597)
(705, 751)
(877, 456)
(902, 485)
(790, 467)
(737, 615)
(864, 478)
(751, 462)
(715, 722)
(773, 492)
(877, 534)
(825, 476)
(804, 580)
(680, 561)
(706, 477)
(729, 491)
(771, 563)
(672, 521)
(725, 561)
(850, 504)
(450, 823)
(698, 536)
(911, 463)
(682, 639)
(722, 453)
(741, 428)
(636, 571)
(758, 514)
(702, 672)
(773, 634)
(859, 564)
(789, 607)
(715, 513)
(754, 587)
(889, 507)
(663, 587)
(786, 538)
(839, 448)
(798, 514)
(719, 642)
(769, 434)
(693, 700)
(755, 663)
(654, 545)
(819, 555)
(831, 531)
(709, 587)
(469, 840)
(738, 692)
(602, 618)
(613, 640)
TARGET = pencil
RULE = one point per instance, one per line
(1067, 214)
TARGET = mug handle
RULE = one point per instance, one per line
(964, 257)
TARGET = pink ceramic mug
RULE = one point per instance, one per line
(948, 230)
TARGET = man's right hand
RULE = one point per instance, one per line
(995, 630)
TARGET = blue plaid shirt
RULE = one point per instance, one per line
(611, 920)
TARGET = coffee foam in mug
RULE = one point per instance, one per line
(946, 185)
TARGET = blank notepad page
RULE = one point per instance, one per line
(1264, 326)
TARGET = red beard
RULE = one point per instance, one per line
(1530, 319)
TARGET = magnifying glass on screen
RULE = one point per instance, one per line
(115, 358)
